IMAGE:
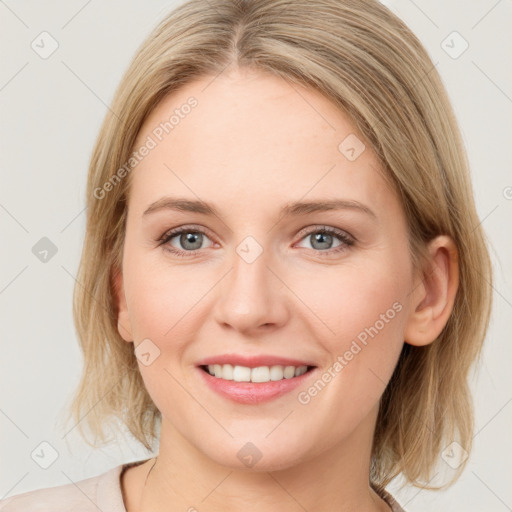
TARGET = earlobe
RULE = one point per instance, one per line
(434, 295)
(123, 317)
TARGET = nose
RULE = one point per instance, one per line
(252, 298)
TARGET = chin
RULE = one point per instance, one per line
(258, 455)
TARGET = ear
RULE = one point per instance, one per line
(123, 316)
(433, 294)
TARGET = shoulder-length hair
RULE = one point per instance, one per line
(364, 59)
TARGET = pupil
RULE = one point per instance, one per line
(190, 238)
(322, 238)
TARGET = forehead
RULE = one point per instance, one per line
(254, 140)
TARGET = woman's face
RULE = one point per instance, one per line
(258, 283)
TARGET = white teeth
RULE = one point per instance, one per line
(301, 370)
(276, 373)
(241, 374)
(289, 372)
(227, 372)
(258, 374)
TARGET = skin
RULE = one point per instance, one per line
(253, 144)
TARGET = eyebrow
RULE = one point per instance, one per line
(290, 209)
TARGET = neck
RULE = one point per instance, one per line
(184, 478)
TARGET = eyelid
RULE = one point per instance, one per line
(325, 228)
(346, 239)
(164, 240)
(186, 227)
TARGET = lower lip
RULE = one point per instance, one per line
(253, 392)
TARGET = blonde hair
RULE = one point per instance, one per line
(364, 59)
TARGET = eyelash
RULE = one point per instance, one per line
(347, 240)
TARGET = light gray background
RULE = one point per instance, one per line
(51, 111)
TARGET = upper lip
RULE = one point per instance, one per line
(253, 361)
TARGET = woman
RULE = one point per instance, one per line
(281, 280)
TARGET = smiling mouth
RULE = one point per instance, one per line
(257, 374)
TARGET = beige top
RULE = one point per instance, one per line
(102, 492)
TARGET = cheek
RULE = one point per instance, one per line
(350, 298)
(362, 308)
(166, 303)
(365, 312)
(161, 304)
(160, 297)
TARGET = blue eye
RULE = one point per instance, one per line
(190, 240)
(323, 239)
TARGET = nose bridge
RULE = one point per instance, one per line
(250, 295)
